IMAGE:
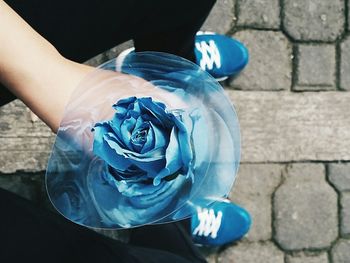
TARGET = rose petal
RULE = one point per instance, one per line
(131, 174)
(173, 158)
(184, 141)
(161, 138)
(139, 135)
(134, 189)
(125, 131)
(122, 105)
(117, 123)
(150, 140)
(160, 104)
(136, 107)
(116, 139)
(106, 147)
(147, 105)
(199, 137)
(151, 162)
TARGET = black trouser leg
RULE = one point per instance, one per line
(29, 234)
(81, 29)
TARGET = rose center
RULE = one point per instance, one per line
(139, 137)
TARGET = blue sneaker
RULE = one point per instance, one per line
(219, 55)
(220, 223)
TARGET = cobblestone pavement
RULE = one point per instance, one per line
(294, 111)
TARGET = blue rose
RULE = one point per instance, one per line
(146, 148)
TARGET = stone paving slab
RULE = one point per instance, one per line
(284, 126)
(345, 64)
(275, 126)
(305, 209)
(253, 190)
(340, 251)
(27, 161)
(345, 214)
(270, 61)
(210, 253)
(316, 67)
(109, 54)
(221, 18)
(302, 258)
(15, 122)
(259, 13)
(339, 176)
(262, 252)
(320, 20)
(24, 145)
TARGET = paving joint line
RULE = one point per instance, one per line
(233, 22)
(331, 184)
(295, 67)
(239, 28)
(272, 201)
(346, 10)
(338, 66)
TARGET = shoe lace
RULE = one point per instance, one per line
(209, 224)
(210, 54)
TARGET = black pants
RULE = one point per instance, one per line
(30, 234)
(81, 29)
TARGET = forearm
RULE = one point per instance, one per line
(33, 69)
